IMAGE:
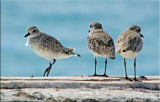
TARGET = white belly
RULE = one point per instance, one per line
(129, 54)
(48, 54)
(97, 55)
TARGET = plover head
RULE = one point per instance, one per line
(137, 29)
(95, 26)
(33, 31)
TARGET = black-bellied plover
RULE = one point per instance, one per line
(47, 47)
(129, 44)
(100, 44)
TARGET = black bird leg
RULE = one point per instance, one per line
(126, 77)
(95, 67)
(54, 61)
(49, 68)
(105, 69)
(135, 70)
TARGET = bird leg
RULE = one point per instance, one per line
(95, 67)
(105, 69)
(49, 68)
(135, 70)
(126, 77)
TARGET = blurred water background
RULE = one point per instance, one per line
(69, 22)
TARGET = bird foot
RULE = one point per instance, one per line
(104, 75)
(136, 80)
(128, 79)
(95, 75)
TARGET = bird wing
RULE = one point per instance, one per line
(53, 44)
(101, 43)
(134, 44)
(50, 42)
(129, 40)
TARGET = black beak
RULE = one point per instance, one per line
(89, 31)
(27, 34)
(141, 35)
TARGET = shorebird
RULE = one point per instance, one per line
(129, 44)
(100, 44)
(47, 47)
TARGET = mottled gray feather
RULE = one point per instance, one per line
(101, 43)
(129, 41)
(47, 42)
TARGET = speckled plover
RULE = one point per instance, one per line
(100, 44)
(129, 44)
(47, 46)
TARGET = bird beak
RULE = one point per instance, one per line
(27, 34)
(141, 35)
(89, 31)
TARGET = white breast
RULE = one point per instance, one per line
(97, 55)
(42, 53)
(48, 54)
(129, 54)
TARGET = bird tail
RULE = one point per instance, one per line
(77, 55)
(71, 50)
(112, 57)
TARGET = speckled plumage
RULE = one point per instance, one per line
(129, 44)
(47, 46)
(101, 44)
(129, 41)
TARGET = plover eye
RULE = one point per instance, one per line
(138, 30)
(90, 26)
(34, 31)
(98, 27)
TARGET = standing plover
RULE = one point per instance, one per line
(47, 47)
(129, 44)
(100, 44)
